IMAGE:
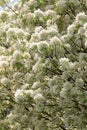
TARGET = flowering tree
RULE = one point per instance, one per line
(43, 65)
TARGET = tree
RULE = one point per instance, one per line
(43, 65)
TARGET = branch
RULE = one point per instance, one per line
(9, 7)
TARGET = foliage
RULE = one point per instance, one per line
(43, 65)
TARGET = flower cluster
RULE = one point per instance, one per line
(43, 65)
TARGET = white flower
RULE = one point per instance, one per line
(38, 66)
(4, 64)
(64, 63)
(52, 31)
(39, 13)
(85, 44)
(29, 93)
(85, 26)
(67, 45)
(19, 95)
(63, 93)
(43, 34)
(11, 33)
(38, 29)
(30, 17)
(79, 82)
(3, 15)
(80, 16)
(36, 85)
(5, 81)
(42, 46)
(39, 98)
(34, 37)
(25, 86)
(16, 6)
(36, 57)
(49, 22)
(85, 34)
(33, 3)
(16, 54)
(20, 33)
(32, 45)
(65, 38)
(61, 3)
(17, 75)
(62, 60)
(53, 27)
(50, 13)
(72, 65)
(29, 77)
(71, 28)
(81, 31)
(55, 40)
(75, 91)
(82, 57)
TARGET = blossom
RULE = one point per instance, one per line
(45, 65)
(4, 64)
(62, 60)
(34, 37)
(38, 66)
(5, 81)
(11, 33)
(38, 13)
(64, 63)
(17, 75)
(80, 16)
(38, 29)
(36, 85)
(79, 82)
(4, 15)
(61, 3)
(25, 86)
(71, 29)
(33, 3)
(50, 13)
(85, 44)
(38, 98)
(19, 95)
(55, 40)
(85, 26)
(42, 46)
(30, 17)
(20, 33)
(16, 6)
(17, 54)
(81, 31)
(43, 34)
(29, 77)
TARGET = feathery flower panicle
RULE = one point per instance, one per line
(38, 98)
(45, 66)
(19, 95)
(4, 15)
(55, 40)
(71, 29)
(50, 13)
(5, 81)
(85, 44)
(39, 13)
(33, 3)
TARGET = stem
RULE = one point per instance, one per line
(9, 7)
